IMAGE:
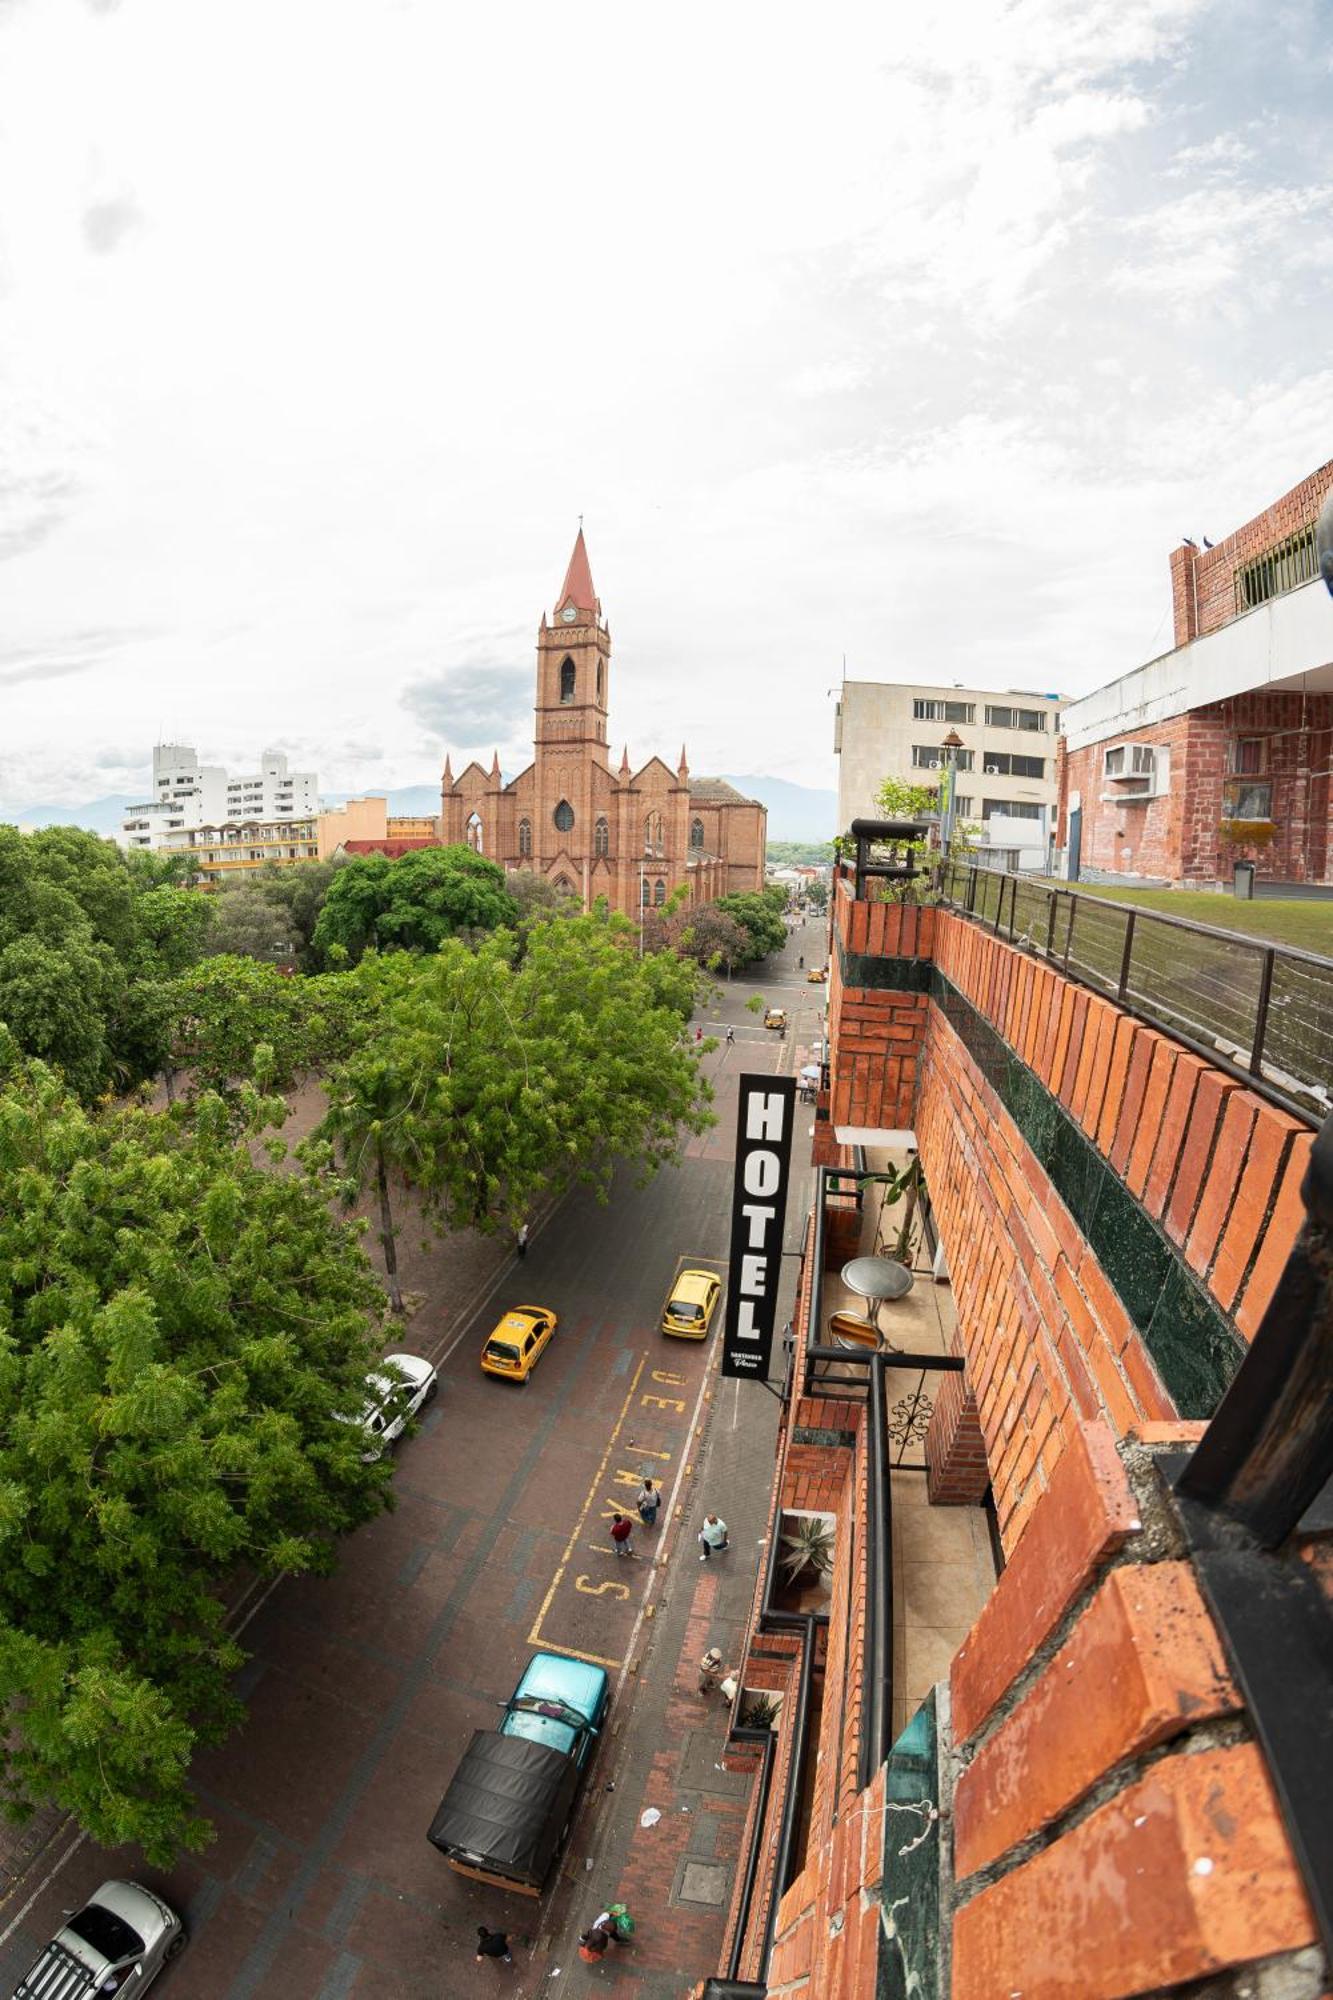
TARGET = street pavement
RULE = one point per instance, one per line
(363, 1689)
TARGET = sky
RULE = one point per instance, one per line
(909, 344)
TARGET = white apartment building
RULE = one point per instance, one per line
(1005, 780)
(188, 794)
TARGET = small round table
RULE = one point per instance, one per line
(878, 1279)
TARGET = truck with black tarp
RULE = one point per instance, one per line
(508, 1809)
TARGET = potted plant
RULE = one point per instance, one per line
(757, 1711)
(807, 1551)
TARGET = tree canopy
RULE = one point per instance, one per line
(181, 1334)
(498, 1076)
(760, 917)
(412, 904)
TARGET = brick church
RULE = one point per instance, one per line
(633, 837)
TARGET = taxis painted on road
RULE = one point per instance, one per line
(689, 1310)
(518, 1341)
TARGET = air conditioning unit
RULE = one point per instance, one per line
(992, 770)
(1137, 770)
(934, 764)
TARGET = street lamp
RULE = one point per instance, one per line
(951, 745)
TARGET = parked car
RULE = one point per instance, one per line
(692, 1302)
(775, 1017)
(517, 1343)
(117, 1943)
(393, 1400)
(816, 975)
(508, 1809)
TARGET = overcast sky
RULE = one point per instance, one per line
(917, 342)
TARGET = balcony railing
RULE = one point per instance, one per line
(1262, 1012)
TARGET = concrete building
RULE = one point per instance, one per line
(633, 837)
(1219, 751)
(1006, 775)
(363, 826)
(239, 847)
(189, 795)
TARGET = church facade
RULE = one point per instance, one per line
(633, 837)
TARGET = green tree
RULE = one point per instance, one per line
(224, 1010)
(174, 928)
(412, 904)
(273, 912)
(715, 940)
(183, 1334)
(57, 998)
(506, 1077)
(760, 917)
(897, 798)
(816, 893)
(800, 853)
(374, 1120)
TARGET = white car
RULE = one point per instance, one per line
(117, 1943)
(393, 1400)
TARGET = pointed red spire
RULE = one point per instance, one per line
(682, 769)
(624, 762)
(577, 588)
(495, 764)
(448, 770)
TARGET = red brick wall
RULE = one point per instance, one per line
(1179, 836)
(957, 1470)
(875, 1035)
(1203, 590)
(1184, 1868)
(1048, 1343)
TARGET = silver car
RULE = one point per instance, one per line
(393, 1400)
(117, 1943)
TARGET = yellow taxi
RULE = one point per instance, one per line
(689, 1310)
(775, 1017)
(518, 1341)
(816, 975)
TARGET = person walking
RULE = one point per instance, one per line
(493, 1944)
(616, 1924)
(731, 1036)
(648, 1499)
(521, 1241)
(710, 1670)
(592, 1944)
(698, 1034)
(713, 1537)
(621, 1530)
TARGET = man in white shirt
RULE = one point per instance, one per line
(713, 1537)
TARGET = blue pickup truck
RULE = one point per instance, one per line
(508, 1809)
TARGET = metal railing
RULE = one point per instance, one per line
(1262, 1012)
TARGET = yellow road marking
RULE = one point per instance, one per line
(573, 1653)
(534, 1636)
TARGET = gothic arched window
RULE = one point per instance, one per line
(563, 816)
(599, 680)
(659, 892)
(645, 890)
(566, 679)
(652, 833)
(525, 837)
(696, 833)
(476, 838)
(565, 886)
(601, 835)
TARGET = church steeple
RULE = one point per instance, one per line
(577, 588)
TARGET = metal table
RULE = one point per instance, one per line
(878, 1279)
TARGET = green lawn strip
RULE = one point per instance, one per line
(1306, 925)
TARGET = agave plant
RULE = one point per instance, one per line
(758, 1711)
(809, 1546)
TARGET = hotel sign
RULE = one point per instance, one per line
(758, 1208)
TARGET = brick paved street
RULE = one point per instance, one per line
(364, 1688)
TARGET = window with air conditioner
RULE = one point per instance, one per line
(930, 757)
(1136, 771)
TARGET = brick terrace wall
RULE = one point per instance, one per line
(1179, 835)
(1049, 1340)
(1094, 1677)
(1203, 587)
(875, 1033)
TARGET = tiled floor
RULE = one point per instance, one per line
(943, 1570)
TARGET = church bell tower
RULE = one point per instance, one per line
(574, 667)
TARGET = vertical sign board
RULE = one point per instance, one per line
(758, 1208)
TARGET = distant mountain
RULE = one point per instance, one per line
(402, 803)
(795, 812)
(98, 816)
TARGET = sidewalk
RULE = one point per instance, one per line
(676, 1875)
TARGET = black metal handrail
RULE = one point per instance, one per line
(1261, 1012)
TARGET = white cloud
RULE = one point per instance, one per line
(915, 339)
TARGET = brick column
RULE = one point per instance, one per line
(957, 1474)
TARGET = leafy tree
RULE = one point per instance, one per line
(816, 894)
(174, 927)
(536, 897)
(716, 940)
(897, 798)
(412, 904)
(56, 1000)
(93, 874)
(502, 1077)
(225, 1010)
(760, 916)
(374, 1118)
(273, 907)
(182, 1333)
